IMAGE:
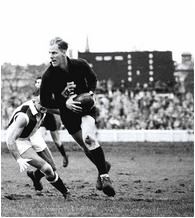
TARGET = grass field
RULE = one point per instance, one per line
(151, 179)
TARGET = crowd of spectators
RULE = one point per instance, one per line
(135, 110)
(145, 110)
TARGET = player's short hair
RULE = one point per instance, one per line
(60, 42)
(38, 77)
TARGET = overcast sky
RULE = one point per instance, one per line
(111, 25)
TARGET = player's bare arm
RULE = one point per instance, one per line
(13, 133)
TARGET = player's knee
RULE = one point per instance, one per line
(47, 170)
(91, 142)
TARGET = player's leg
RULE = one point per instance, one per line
(75, 125)
(96, 157)
(46, 169)
(95, 154)
(53, 124)
(37, 175)
(43, 151)
(23, 145)
(47, 156)
(56, 139)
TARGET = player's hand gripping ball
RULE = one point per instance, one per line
(87, 102)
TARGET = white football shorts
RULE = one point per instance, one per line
(35, 141)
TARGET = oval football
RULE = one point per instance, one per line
(87, 101)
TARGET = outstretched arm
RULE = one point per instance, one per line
(13, 133)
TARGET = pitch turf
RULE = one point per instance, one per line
(151, 179)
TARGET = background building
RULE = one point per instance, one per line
(184, 73)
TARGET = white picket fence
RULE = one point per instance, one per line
(131, 136)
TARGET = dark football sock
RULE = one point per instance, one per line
(38, 174)
(98, 158)
(89, 155)
(58, 184)
(62, 150)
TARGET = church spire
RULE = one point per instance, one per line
(87, 45)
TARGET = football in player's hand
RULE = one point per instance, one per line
(87, 101)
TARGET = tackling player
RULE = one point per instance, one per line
(53, 125)
(27, 145)
(66, 77)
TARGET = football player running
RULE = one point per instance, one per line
(28, 147)
(65, 78)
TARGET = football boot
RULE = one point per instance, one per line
(36, 183)
(107, 186)
(65, 160)
(66, 195)
(99, 183)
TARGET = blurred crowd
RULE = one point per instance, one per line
(135, 110)
(145, 110)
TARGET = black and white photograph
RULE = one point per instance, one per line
(97, 108)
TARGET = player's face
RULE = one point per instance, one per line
(38, 83)
(57, 56)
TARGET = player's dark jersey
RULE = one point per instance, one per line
(55, 79)
(33, 118)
